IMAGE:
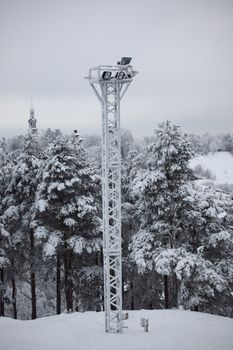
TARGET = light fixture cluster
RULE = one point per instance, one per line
(106, 75)
(119, 75)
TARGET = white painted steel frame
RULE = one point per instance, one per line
(109, 94)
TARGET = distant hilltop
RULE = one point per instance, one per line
(216, 167)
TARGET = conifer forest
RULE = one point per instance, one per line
(177, 230)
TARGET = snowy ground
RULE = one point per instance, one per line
(220, 164)
(168, 330)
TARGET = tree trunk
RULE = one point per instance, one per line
(175, 292)
(2, 309)
(33, 276)
(70, 285)
(179, 292)
(33, 295)
(166, 293)
(122, 286)
(68, 282)
(66, 278)
(99, 262)
(14, 298)
(58, 282)
(132, 304)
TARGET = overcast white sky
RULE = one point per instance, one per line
(182, 48)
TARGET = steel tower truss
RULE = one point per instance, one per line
(110, 84)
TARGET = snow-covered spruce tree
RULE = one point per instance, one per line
(160, 196)
(67, 217)
(18, 214)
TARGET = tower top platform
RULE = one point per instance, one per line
(120, 72)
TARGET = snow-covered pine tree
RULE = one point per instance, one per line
(208, 222)
(49, 136)
(6, 246)
(127, 142)
(228, 142)
(4, 262)
(139, 290)
(18, 215)
(67, 214)
(161, 202)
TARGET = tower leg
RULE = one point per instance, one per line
(111, 170)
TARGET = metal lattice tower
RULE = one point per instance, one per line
(110, 84)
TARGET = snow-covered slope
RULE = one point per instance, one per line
(168, 330)
(219, 163)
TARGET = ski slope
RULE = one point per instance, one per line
(220, 164)
(168, 330)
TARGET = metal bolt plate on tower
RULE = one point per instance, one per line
(110, 84)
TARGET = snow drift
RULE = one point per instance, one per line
(168, 330)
